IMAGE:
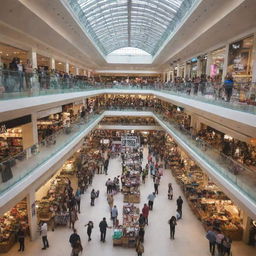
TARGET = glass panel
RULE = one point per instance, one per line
(153, 19)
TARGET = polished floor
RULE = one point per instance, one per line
(189, 238)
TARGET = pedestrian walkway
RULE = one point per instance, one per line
(189, 237)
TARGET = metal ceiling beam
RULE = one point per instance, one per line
(129, 8)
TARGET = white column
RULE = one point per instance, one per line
(225, 65)
(32, 218)
(208, 64)
(33, 58)
(254, 59)
(52, 63)
(185, 70)
(172, 72)
(67, 67)
(246, 227)
(85, 73)
(199, 67)
(178, 70)
(89, 73)
(77, 71)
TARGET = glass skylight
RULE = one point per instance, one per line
(129, 51)
(143, 24)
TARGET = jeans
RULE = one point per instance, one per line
(22, 245)
(103, 235)
(212, 247)
(150, 205)
(172, 232)
(45, 242)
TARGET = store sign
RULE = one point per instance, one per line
(48, 112)
(15, 123)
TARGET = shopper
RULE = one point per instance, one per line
(170, 191)
(114, 214)
(103, 229)
(145, 213)
(139, 248)
(211, 236)
(151, 198)
(141, 220)
(21, 239)
(89, 229)
(172, 222)
(141, 234)
(75, 243)
(73, 218)
(110, 200)
(228, 86)
(93, 196)
(219, 240)
(179, 205)
(226, 243)
(156, 184)
(43, 231)
(78, 199)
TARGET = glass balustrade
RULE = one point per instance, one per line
(20, 84)
(26, 162)
(17, 167)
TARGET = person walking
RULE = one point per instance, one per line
(110, 200)
(141, 234)
(114, 214)
(43, 231)
(226, 243)
(73, 218)
(78, 199)
(211, 236)
(21, 239)
(139, 248)
(103, 229)
(219, 240)
(156, 184)
(89, 226)
(93, 196)
(228, 86)
(179, 205)
(151, 198)
(172, 222)
(145, 213)
(75, 243)
(170, 191)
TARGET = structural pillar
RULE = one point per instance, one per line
(178, 70)
(52, 63)
(254, 59)
(208, 64)
(199, 67)
(225, 65)
(173, 78)
(89, 73)
(67, 67)
(195, 124)
(32, 218)
(85, 73)
(33, 58)
(185, 70)
(77, 71)
(246, 227)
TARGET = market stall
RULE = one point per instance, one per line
(10, 223)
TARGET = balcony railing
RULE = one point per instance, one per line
(21, 84)
(23, 164)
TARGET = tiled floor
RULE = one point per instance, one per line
(189, 239)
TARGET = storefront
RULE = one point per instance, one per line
(10, 223)
(216, 59)
(16, 136)
(240, 60)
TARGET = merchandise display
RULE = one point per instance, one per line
(206, 200)
(10, 223)
(11, 143)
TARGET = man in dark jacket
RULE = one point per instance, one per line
(74, 239)
(179, 206)
(103, 229)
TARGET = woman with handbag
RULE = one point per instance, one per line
(139, 248)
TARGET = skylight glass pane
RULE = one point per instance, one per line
(144, 24)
